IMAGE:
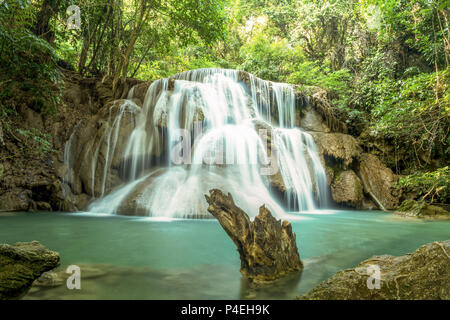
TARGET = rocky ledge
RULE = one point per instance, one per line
(267, 248)
(421, 210)
(422, 275)
(21, 264)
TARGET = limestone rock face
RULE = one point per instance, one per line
(98, 144)
(347, 189)
(378, 180)
(16, 199)
(423, 275)
(267, 248)
(339, 146)
(416, 209)
(312, 121)
(21, 264)
(139, 92)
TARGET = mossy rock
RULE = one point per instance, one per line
(422, 275)
(21, 264)
(421, 209)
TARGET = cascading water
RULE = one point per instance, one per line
(206, 126)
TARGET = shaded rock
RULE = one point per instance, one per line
(17, 199)
(139, 92)
(58, 277)
(422, 275)
(265, 131)
(267, 248)
(319, 101)
(32, 118)
(347, 189)
(50, 279)
(276, 182)
(21, 264)
(421, 209)
(98, 148)
(312, 121)
(378, 181)
(369, 205)
(43, 206)
(338, 146)
(330, 175)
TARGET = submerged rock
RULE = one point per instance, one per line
(267, 248)
(420, 209)
(347, 189)
(378, 181)
(422, 275)
(21, 264)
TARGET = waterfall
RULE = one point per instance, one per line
(208, 128)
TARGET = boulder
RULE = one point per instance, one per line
(339, 147)
(422, 210)
(378, 181)
(21, 264)
(16, 199)
(312, 121)
(347, 189)
(267, 248)
(139, 92)
(422, 275)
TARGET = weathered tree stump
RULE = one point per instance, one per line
(267, 248)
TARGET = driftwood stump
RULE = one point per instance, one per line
(267, 248)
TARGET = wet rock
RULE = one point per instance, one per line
(99, 144)
(139, 91)
(330, 174)
(421, 209)
(347, 189)
(378, 181)
(17, 199)
(43, 206)
(312, 121)
(422, 275)
(338, 146)
(267, 248)
(369, 205)
(50, 279)
(21, 264)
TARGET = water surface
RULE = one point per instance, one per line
(138, 258)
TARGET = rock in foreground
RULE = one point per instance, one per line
(423, 275)
(21, 264)
(267, 248)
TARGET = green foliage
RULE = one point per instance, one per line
(140, 38)
(416, 26)
(27, 62)
(266, 59)
(414, 113)
(336, 82)
(40, 141)
(430, 186)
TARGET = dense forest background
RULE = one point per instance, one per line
(384, 64)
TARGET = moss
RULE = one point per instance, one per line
(422, 275)
(21, 264)
(421, 209)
